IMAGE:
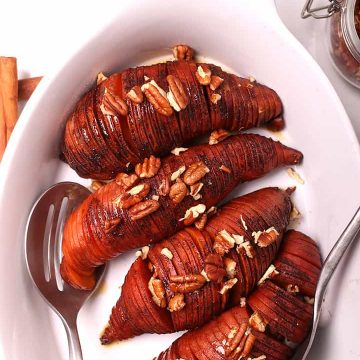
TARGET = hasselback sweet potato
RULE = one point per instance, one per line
(190, 276)
(135, 210)
(128, 116)
(276, 312)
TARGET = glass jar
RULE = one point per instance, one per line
(343, 35)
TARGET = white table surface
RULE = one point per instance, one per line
(42, 34)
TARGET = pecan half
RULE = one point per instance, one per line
(265, 238)
(176, 303)
(126, 181)
(110, 225)
(143, 209)
(148, 168)
(177, 96)
(218, 135)
(164, 187)
(135, 95)
(159, 101)
(178, 191)
(183, 52)
(214, 268)
(186, 283)
(113, 105)
(195, 172)
(157, 290)
(203, 74)
(132, 196)
(215, 82)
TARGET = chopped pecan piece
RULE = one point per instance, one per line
(143, 252)
(126, 181)
(183, 52)
(178, 150)
(200, 224)
(228, 285)
(230, 266)
(164, 187)
(257, 322)
(293, 289)
(178, 191)
(295, 175)
(166, 252)
(177, 173)
(215, 82)
(246, 248)
(186, 283)
(269, 274)
(96, 185)
(193, 213)
(214, 98)
(177, 96)
(196, 188)
(223, 242)
(157, 98)
(100, 78)
(212, 211)
(203, 74)
(214, 268)
(195, 172)
(113, 105)
(157, 290)
(218, 135)
(265, 238)
(176, 303)
(225, 169)
(148, 168)
(143, 209)
(135, 95)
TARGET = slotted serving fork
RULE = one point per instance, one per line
(43, 255)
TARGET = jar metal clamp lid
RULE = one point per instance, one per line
(320, 12)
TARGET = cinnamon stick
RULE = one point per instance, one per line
(8, 99)
(27, 86)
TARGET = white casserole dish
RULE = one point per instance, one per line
(247, 37)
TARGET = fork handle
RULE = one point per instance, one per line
(75, 352)
(337, 252)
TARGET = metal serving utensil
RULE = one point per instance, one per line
(43, 255)
(329, 267)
